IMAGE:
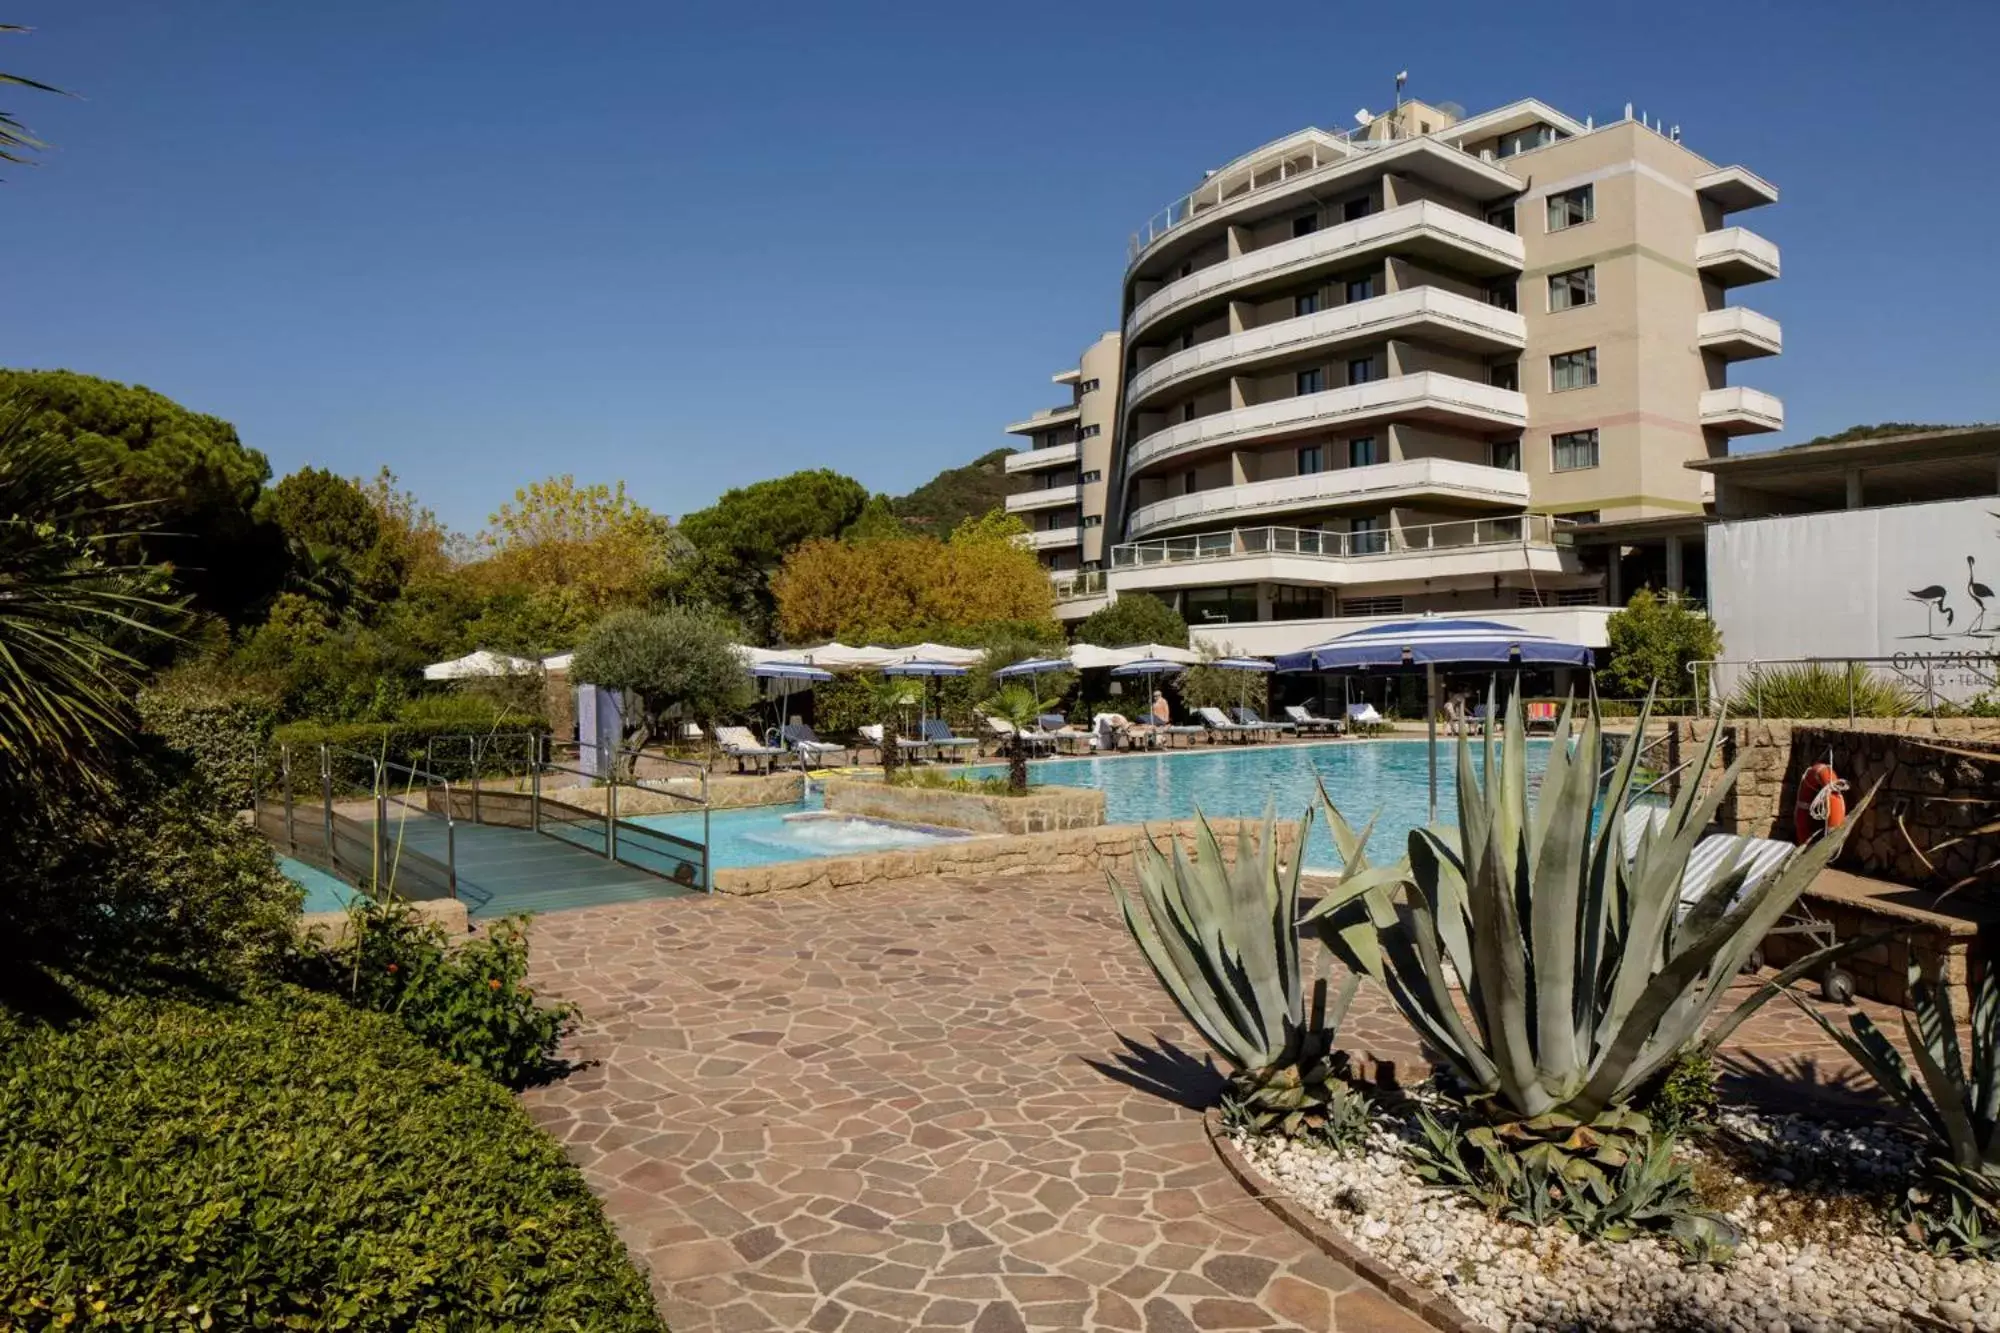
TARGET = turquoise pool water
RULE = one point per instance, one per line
(770, 834)
(1387, 779)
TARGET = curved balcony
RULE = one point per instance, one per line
(1053, 539)
(1427, 395)
(1423, 228)
(1444, 315)
(1037, 460)
(1444, 478)
(1733, 256)
(1045, 497)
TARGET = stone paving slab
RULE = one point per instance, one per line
(932, 1104)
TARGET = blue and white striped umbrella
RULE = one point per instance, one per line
(1444, 643)
(1034, 666)
(919, 667)
(1242, 664)
(1148, 666)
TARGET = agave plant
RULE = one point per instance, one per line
(1958, 1208)
(1223, 941)
(1582, 972)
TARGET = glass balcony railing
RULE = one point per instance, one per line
(1512, 530)
(1077, 586)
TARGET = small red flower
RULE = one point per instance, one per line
(392, 967)
(493, 984)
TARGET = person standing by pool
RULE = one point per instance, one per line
(1162, 715)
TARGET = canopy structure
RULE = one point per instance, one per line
(1147, 666)
(481, 664)
(777, 669)
(1089, 657)
(1430, 644)
(1034, 666)
(1445, 643)
(920, 667)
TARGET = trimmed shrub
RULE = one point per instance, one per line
(222, 729)
(470, 1002)
(284, 1162)
(407, 743)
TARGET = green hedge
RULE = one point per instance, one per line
(222, 731)
(404, 743)
(284, 1162)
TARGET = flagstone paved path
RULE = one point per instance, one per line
(932, 1106)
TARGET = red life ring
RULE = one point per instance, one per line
(1820, 804)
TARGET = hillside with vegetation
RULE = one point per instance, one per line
(959, 493)
(1884, 429)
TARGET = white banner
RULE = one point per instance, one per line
(1915, 584)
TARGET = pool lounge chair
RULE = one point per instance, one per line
(910, 746)
(1250, 717)
(1069, 739)
(937, 734)
(1305, 720)
(1003, 731)
(739, 744)
(802, 738)
(1363, 715)
(1541, 715)
(1218, 725)
(1187, 731)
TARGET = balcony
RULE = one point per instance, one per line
(1734, 256)
(1037, 460)
(1469, 547)
(1046, 419)
(1444, 316)
(1444, 478)
(1737, 334)
(1427, 395)
(1054, 539)
(1045, 497)
(1740, 411)
(1734, 188)
(1422, 228)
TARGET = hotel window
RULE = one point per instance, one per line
(1092, 520)
(1573, 370)
(1305, 303)
(1094, 475)
(1088, 386)
(1355, 209)
(1187, 339)
(1579, 597)
(1090, 432)
(1305, 224)
(1580, 516)
(1360, 289)
(1520, 141)
(1572, 207)
(1368, 536)
(1289, 603)
(1505, 375)
(1310, 460)
(1573, 451)
(1371, 606)
(1577, 287)
(1361, 370)
(1504, 454)
(1361, 452)
(1501, 293)
(1187, 411)
(1503, 218)
(1237, 602)
(1311, 381)
(1187, 483)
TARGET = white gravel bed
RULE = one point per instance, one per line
(1818, 1254)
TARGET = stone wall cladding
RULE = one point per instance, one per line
(1110, 849)
(1044, 810)
(725, 792)
(1881, 971)
(1943, 780)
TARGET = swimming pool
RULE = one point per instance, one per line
(1388, 779)
(764, 835)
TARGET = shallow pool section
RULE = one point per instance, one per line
(769, 834)
(324, 893)
(1386, 779)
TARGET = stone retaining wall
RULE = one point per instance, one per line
(1113, 849)
(725, 792)
(1940, 946)
(1043, 810)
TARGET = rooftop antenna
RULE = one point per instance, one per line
(1402, 77)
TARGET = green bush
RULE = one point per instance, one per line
(1684, 1100)
(406, 743)
(222, 727)
(1136, 617)
(1816, 689)
(937, 779)
(469, 1002)
(284, 1162)
(1650, 644)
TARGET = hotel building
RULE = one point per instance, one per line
(1384, 372)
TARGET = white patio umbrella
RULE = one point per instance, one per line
(481, 664)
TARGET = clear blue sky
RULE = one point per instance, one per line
(691, 245)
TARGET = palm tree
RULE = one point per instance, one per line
(66, 680)
(887, 697)
(1020, 708)
(15, 141)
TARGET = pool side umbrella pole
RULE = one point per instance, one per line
(1431, 721)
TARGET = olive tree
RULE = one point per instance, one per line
(681, 659)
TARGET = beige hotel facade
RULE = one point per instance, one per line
(1384, 372)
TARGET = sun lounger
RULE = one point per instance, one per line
(1222, 726)
(1304, 719)
(1187, 731)
(1542, 714)
(1069, 739)
(937, 734)
(1364, 715)
(801, 738)
(1250, 717)
(912, 746)
(1005, 732)
(739, 744)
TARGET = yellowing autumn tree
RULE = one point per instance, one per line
(908, 588)
(592, 548)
